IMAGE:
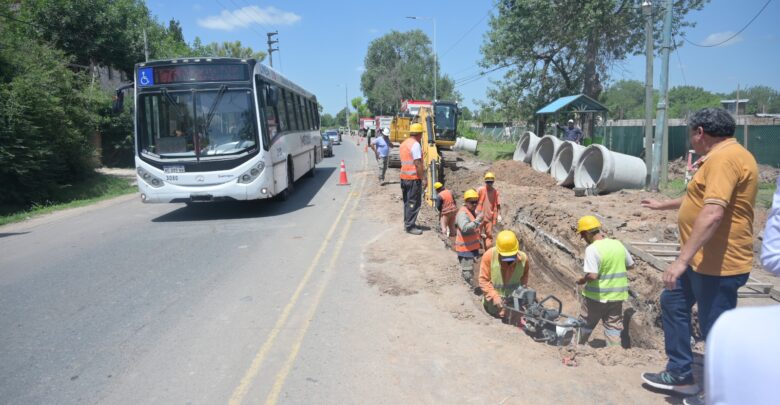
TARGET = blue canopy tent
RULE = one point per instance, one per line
(578, 105)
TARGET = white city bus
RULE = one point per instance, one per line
(214, 129)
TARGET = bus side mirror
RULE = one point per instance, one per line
(119, 98)
(119, 102)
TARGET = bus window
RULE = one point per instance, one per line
(291, 114)
(284, 123)
(303, 114)
(268, 116)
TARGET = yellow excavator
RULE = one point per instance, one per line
(432, 159)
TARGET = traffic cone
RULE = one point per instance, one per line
(365, 148)
(343, 175)
(358, 140)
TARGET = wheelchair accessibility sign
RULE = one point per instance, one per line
(145, 77)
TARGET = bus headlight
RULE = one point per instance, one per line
(251, 174)
(149, 178)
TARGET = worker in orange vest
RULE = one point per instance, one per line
(490, 207)
(413, 180)
(445, 204)
(502, 269)
(467, 238)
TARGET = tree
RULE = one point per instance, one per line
(398, 66)
(685, 100)
(564, 47)
(327, 121)
(626, 100)
(226, 49)
(763, 99)
(340, 118)
(466, 114)
(174, 28)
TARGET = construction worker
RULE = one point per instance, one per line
(503, 268)
(605, 280)
(467, 237)
(413, 180)
(490, 206)
(445, 204)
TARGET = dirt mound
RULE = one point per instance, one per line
(521, 174)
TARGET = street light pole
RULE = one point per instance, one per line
(346, 106)
(647, 10)
(435, 59)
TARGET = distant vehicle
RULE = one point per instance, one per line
(327, 146)
(342, 130)
(334, 136)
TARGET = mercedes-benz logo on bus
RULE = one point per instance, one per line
(200, 179)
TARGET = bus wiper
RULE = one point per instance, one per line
(213, 108)
(169, 98)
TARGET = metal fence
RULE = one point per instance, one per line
(500, 134)
(763, 141)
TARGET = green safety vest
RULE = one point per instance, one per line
(612, 284)
(497, 280)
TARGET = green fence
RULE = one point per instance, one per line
(762, 140)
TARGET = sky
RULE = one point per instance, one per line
(323, 43)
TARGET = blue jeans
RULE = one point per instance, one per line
(714, 295)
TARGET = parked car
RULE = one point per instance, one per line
(334, 136)
(327, 146)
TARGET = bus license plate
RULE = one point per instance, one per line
(173, 169)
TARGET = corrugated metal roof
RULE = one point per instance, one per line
(576, 103)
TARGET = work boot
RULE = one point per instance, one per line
(414, 231)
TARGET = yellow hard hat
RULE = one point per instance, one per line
(490, 176)
(587, 223)
(470, 194)
(507, 243)
(415, 128)
(437, 185)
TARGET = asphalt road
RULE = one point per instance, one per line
(133, 303)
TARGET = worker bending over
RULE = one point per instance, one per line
(467, 238)
(445, 205)
(605, 279)
(503, 268)
(489, 206)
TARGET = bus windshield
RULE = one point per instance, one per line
(194, 124)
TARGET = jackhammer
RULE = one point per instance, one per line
(544, 323)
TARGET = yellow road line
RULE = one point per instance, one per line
(281, 377)
(273, 396)
(243, 387)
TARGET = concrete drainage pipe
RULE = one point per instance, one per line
(526, 147)
(466, 144)
(608, 171)
(544, 153)
(565, 161)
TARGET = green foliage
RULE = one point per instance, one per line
(564, 47)
(47, 114)
(466, 114)
(398, 66)
(626, 100)
(685, 100)
(763, 99)
(225, 49)
(91, 189)
(327, 121)
(491, 151)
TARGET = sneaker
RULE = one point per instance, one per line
(669, 382)
(414, 231)
(697, 399)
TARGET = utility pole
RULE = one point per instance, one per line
(346, 108)
(271, 48)
(647, 10)
(661, 141)
(146, 48)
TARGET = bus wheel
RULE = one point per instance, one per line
(285, 195)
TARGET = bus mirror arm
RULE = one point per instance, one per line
(119, 98)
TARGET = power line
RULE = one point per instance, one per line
(733, 36)
(479, 75)
(467, 32)
(679, 62)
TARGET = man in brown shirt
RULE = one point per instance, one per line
(716, 251)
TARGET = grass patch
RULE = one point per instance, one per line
(95, 188)
(492, 151)
(676, 188)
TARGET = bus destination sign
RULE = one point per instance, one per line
(200, 73)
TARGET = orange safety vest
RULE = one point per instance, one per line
(467, 242)
(488, 203)
(447, 202)
(408, 169)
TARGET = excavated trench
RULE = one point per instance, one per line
(530, 206)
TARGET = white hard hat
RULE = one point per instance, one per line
(386, 131)
(571, 121)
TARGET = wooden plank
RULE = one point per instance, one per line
(663, 252)
(646, 257)
(656, 244)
